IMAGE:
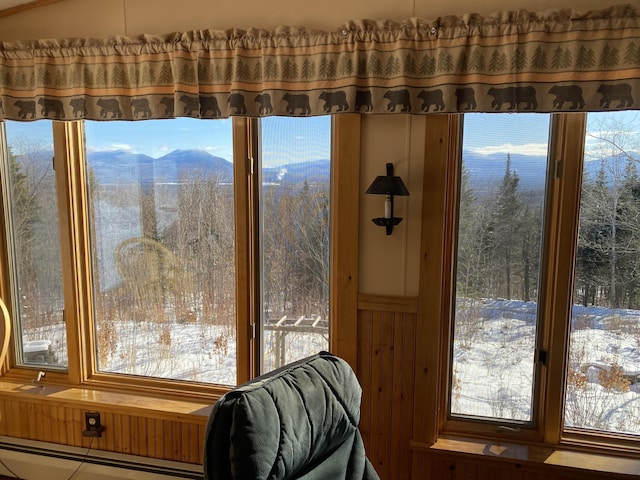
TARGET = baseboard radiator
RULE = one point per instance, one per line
(38, 460)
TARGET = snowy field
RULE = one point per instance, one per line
(493, 362)
(493, 365)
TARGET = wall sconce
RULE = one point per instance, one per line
(390, 186)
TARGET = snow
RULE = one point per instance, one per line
(493, 359)
(493, 365)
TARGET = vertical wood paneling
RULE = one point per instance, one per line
(68, 425)
(55, 420)
(127, 434)
(374, 403)
(111, 430)
(466, 471)
(386, 352)
(443, 469)
(143, 436)
(365, 354)
(421, 465)
(177, 445)
(77, 427)
(404, 376)
(32, 421)
(385, 397)
(200, 436)
(430, 466)
(3, 418)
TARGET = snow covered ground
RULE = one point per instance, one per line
(493, 365)
(493, 361)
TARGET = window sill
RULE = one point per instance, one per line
(536, 456)
(190, 411)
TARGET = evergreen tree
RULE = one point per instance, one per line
(629, 235)
(593, 236)
(504, 229)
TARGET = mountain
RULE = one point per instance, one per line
(118, 166)
(187, 162)
(488, 170)
(314, 172)
(123, 167)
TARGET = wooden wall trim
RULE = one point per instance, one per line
(149, 427)
(387, 303)
(344, 232)
(84, 398)
(441, 145)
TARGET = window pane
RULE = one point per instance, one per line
(161, 199)
(502, 192)
(35, 243)
(603, 390)
(295, 172)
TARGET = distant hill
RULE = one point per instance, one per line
(123, 167)
(313, 172)
(488, 170)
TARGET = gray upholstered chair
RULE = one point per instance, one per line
(298, 422)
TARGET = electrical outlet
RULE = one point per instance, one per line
(93, 427)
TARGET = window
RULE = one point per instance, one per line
(501, 210)
(540, 304)
(155, 256)
(603, 373)
(32, 220)
(295, 238)
(162, 248)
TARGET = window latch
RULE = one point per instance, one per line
(543, 357)
(558, 169)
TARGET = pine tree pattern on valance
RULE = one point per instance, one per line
(512, 61)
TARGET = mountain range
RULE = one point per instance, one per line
(119, 166)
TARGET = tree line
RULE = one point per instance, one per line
(500, 234)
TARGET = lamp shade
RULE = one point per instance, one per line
(388, 185)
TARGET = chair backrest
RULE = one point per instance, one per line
(297, 422)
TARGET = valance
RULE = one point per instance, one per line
(559, 60)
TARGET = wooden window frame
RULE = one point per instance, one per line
(434, 332)
(72, 197)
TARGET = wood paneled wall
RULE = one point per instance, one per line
(159, 438)
(386, 361)
(386, 352)
(431, 466)
(386, 358)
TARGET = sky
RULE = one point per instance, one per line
(284, 139)
(528, 133)
(291, 139)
